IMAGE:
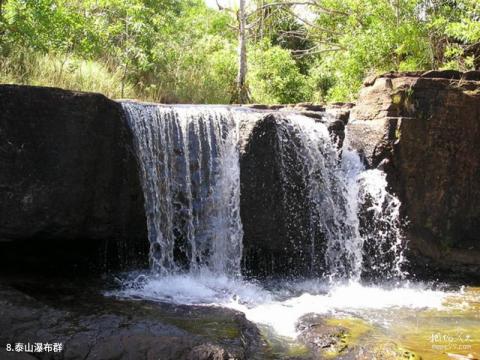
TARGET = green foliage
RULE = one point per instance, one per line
(201, 71)
(183, 51)
(168, 50)
(458, 24)
(65, 72)
(48, 25)
(365, 37)
(274, 76)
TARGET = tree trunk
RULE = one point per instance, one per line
(241, 88)
(125, 62)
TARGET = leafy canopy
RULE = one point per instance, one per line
(183, 51)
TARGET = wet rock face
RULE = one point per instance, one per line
(275, 203)
(345, 337)
(272, 203)
(322, 338)
(424, 130)
(68, 178)
(70, 195)
(275, 206)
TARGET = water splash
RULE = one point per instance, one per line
(381, 227)
(281, 304)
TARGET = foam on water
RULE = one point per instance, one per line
(200, 288)
(354, 298)
(282, 304)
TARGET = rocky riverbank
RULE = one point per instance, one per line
(89, 325)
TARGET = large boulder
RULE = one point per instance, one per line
(69, 185)
(424, 130)
(275, 204)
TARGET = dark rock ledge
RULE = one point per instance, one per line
(70, 197)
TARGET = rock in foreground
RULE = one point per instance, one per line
(90, 326)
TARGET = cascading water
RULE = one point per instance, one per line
(190, 175)
(349, 207)
(380, 227)
(189, 160)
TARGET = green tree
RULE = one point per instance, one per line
(455, 29)
(355, 38)
(275, 76)
(183, 51)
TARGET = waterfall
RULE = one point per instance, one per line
(381, 227)
(338, 217)
(354, 222)
(189, 162)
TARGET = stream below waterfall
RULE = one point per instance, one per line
(402, 320)
(363, 305)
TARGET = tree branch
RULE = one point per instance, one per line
(221, 8)
(304, 3)
(308, 23)
(269, 15)
(316, 50)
